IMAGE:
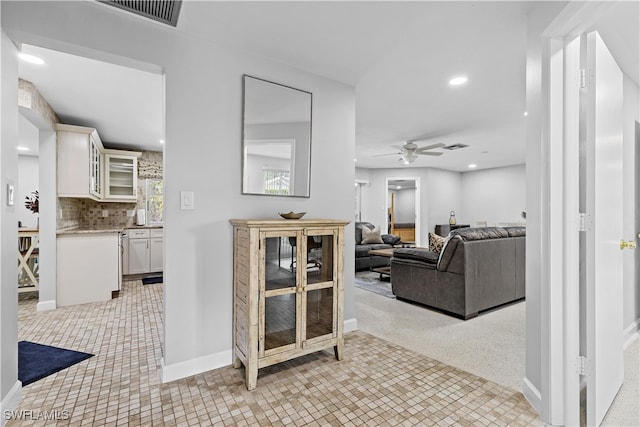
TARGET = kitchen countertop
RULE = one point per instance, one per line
(103, 230)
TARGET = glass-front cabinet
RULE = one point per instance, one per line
(121, 170)
(95, 168)
(296, 293)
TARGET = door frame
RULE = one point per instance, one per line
(557, 401)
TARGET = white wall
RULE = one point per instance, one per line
(440, 192)
(9, 385)
(494, 195)
(443, 194)
(405, 205)
(203, 128)
(28, 182)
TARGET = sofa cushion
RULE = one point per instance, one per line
(358, 227)
(371, 236)
(448, 250)
(436, 242)
(391, 239)
(469, 234)
(417, 254)
(363, 250)
(516, 231)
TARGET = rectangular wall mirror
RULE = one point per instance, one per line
(276, 139)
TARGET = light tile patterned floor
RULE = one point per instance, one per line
(377, 384)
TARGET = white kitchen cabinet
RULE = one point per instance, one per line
(156, 253)
(138, 251)
(145, 250)
(88, 267)
(121, 174)
(80, 162)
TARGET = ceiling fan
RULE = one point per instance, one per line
(410, 151)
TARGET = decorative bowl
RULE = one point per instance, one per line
(292, 215)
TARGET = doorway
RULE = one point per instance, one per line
(403, 208)
(114, 88)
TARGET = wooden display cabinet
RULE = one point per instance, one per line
(288, 291)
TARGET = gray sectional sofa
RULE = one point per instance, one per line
(363, 260)
(478, 269)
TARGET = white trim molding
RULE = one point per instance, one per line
(195, 366)
(10, 402)
(46, 305)
(202, 364)
(350, 325)
(532, 394)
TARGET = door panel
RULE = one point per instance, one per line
(602, 118)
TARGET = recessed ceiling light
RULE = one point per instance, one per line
(30, 58)
(526, 113)
(23, 149)
(162, 141)
(473, 166)
(457, 81)
(355, 160)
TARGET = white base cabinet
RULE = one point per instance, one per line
(88, 267)
(145, 250)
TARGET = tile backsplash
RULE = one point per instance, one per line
(87, 213)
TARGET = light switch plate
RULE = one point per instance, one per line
(11, 192)
(187, 200)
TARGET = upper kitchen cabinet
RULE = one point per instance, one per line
(80, 162)
(121, 171)
(86, 169)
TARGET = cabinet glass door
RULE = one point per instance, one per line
(121, 176)
(320, 285)
(280, 306)
(95, 170)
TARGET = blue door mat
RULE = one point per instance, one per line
(36, 361)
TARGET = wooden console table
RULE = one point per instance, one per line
(28, 259)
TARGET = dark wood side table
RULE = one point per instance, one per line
(444, 229)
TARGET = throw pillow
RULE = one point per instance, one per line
(435, 242)
(390, 239)
(371, 236)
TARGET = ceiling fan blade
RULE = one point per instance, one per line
(428, 153)
(430, 147)
(388, 154)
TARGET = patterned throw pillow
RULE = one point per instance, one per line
(435, 242)
(371, 236)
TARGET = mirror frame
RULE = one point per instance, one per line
(243, 145)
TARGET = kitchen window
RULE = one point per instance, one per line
(155, 201)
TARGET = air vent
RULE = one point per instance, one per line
(454, 147)
(165, 11)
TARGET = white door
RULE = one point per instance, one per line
(138, 256)
(601, 122)
(155, 254)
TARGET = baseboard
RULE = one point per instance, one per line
(631, 333)
(350, 325)
(46, 305)
(195, 366)
(10, 402)
(532, 394)
(198, 365)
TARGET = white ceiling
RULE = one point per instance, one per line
(398, 55)
(125, 105)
